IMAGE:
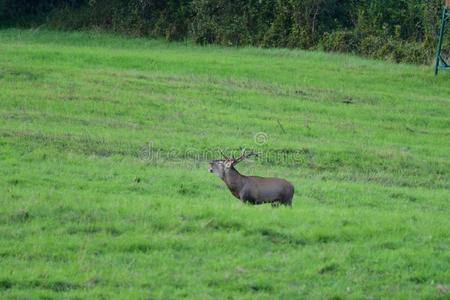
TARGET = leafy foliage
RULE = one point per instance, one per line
(403, 27)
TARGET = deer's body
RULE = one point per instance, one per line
(253, 189)
(259, 190)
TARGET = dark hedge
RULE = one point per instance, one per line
(398, 30)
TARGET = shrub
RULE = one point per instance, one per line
(398, 30)
(340, 41)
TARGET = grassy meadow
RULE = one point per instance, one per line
(105, 192)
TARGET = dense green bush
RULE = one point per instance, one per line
(340, 41)
(399, 30)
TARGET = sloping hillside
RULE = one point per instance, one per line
(104, 143)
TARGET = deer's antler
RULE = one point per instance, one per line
(223, 154)
(244, 156)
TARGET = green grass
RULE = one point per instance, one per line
(105, 191)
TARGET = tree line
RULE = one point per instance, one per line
(396, 30)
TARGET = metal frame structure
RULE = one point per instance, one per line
(441, 63)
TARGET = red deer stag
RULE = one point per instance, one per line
(251, 189)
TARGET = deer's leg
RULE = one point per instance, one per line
(246, 196)
(243, 197)
(288, 202)
(276, 204)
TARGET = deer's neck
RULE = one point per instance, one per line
(235, 181)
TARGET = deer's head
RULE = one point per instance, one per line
(221, 166)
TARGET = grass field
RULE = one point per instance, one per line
(105, 192)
